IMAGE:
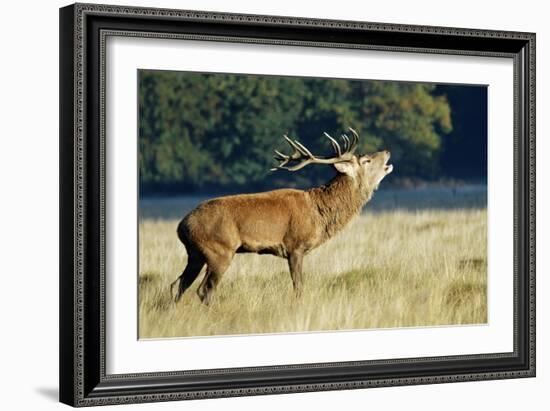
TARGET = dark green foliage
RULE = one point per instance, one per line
(464, 153)
(218, 131)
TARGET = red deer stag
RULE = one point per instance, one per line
(286, 223)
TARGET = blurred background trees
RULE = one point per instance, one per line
(217, 132)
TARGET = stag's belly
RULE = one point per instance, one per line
(278, 250)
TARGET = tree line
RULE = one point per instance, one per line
(206, 131)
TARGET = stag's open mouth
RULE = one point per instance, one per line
(388, 168)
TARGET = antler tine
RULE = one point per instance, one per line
(355, 141)
(284, 159)
(346, 143)
(335, 144)
(298, 147)
(281, 156)
(303, 149)
(289, 141)
(299, 152)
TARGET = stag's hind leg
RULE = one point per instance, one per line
(195, 263)
(217, 264)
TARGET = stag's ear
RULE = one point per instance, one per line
(364, 159)
(346, 167)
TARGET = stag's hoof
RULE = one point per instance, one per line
(177, 295)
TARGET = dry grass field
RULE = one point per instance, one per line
(386, 269)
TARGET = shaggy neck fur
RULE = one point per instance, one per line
(339, 201)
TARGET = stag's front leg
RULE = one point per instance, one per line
(295, 264)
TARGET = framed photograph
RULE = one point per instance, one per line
(262, 204)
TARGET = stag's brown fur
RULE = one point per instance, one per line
(287, 223)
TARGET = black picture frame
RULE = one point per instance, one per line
(83, 29)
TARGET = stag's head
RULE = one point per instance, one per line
(366, 170)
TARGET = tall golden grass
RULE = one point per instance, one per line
(388, 269)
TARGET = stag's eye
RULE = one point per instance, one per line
(365, 160)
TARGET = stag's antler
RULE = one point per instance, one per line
(303, 156)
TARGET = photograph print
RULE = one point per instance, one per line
(279, 204)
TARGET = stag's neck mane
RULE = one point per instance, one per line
(338, 201)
